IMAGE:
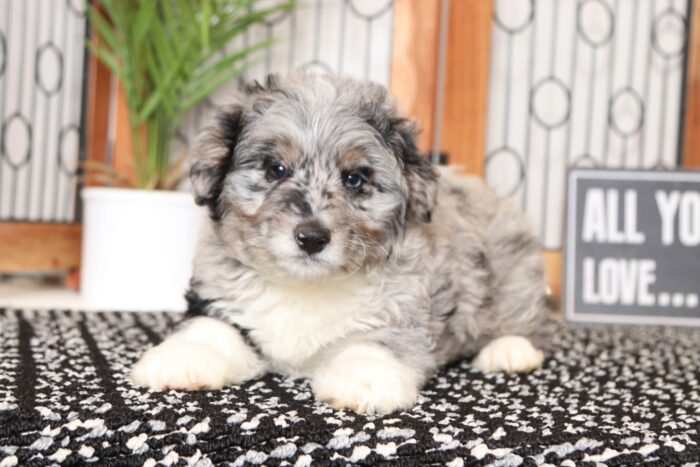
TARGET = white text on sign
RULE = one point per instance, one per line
(610, 216)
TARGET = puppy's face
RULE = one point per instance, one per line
(312, 176)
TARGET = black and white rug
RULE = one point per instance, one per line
(605, 396)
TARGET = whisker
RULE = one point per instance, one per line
(359, 263)
(379, 245)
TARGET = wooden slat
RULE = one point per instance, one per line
(26, 246)
(122, 155)
(98, 104)
(414, 61)
(553, 270)
(466, 84)
(691, 130)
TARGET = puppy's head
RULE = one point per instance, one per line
(312, 175)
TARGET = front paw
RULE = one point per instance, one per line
(183, 365)
(512, 354)
(366, 379)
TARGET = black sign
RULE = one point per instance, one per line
(632, 250)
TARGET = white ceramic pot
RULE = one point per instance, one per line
(137, 248)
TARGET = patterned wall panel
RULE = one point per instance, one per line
(581, 83)
(351, 37)
(42, 73)
(41, 93)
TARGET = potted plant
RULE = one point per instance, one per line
(168, 55)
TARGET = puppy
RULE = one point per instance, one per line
(335, 251)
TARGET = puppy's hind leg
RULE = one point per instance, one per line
(517, 315)
(206, 353)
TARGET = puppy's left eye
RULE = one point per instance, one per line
(353, 180)
(277, 171)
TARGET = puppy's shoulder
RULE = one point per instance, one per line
(472, 197)
(210, 253)
(220, 274)
(459, 185)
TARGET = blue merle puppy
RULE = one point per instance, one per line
(335, 251)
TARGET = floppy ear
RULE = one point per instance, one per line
(212, 158)
(420, 174)
(399, 134)
(213, 154)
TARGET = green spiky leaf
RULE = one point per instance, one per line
(169, 55)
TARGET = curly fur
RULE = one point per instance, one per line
(421, 268)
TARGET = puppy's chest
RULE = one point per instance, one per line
(291, 323)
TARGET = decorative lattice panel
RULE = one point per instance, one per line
(351, 37)
(581, 83)
(42, 56)
(42, 78)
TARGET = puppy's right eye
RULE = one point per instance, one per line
(353, 180)
(276, 171)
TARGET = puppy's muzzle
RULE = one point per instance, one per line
(312, 237)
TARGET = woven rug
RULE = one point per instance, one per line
(605, 396)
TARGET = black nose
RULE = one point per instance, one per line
(311, 237)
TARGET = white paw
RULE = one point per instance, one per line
(184, 365)
(205, 354)
(512, 354)
(366, 379)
